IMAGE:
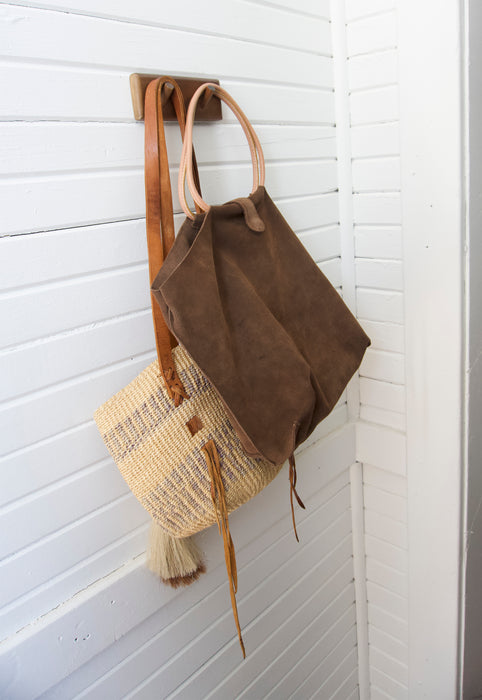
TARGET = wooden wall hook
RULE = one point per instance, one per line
(208, 110)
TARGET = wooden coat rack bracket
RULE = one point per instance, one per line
(208, 110)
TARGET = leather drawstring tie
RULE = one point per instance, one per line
(220, 508)
(175, 387)
(293, 477)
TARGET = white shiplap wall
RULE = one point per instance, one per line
(79, 614)
(371, 29)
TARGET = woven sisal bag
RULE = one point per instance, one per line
(168, 431)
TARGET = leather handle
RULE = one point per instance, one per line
(186, 170)
(159, 212)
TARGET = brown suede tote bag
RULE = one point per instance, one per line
(243, 296)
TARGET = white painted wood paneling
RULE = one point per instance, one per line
(241, 22)
(383, 448)
(378, 32)
(373, 70)
(80, 615)
(355, 10)
(257, 529)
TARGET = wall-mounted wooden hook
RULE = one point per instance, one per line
(208, 110)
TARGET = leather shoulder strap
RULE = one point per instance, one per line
(159, 213)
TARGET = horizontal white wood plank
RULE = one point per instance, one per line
(374, 440)
(375, 140)
(77, 94)
(134, 656)
(375, 33)
(41, 147)
(332, 271)
(355, 10)
(376, 174)
(381, 447)
(268, 624)
(381, 416)
(259, 23)
(36, 467)
(381, 394)
(348, 688)
(388, 684)
(54, 508)
(389, 553)
(355, 694)
(378, 305)
(62, 407)
(334, 421)
(386, 529)
(26, 34)
(344, 680)
(378, 242)
(383, 598)
(94, 297)
(33, 367)
(377, 694)
(384, 503)
(379, 274)
(26, 261)
(390, 624)
(372, 70)
(316, 8)
(266, 585)
(309, 212)
(93, 609)
(337, 607)
(330, 642)
(391, 666)
(296, 634)
(187, 644)
(282, 104)
(392, 646)
(383, 366)
(49, 202)
(384, 336)
(387, 577)
(377, 208)
(64, 254)
(374, 106)
(41, 578)
(342, 658)
(322, 243)
(384, 480)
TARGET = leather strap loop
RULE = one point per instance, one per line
(186, 168)
(159, 212)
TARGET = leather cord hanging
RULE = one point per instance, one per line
(160, 215)
(293, 492)
(160, 238)
(220, 508)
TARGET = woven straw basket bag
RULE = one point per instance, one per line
(167, 430)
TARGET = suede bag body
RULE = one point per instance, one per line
(244, 297)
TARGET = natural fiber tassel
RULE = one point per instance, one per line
(177, 560)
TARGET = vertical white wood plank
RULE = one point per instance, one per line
(432, 218)
(345, 186)
(360, 575)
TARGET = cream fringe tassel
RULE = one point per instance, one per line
(177, 560)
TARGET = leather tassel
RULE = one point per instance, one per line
(220, 508)
(293, 491)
